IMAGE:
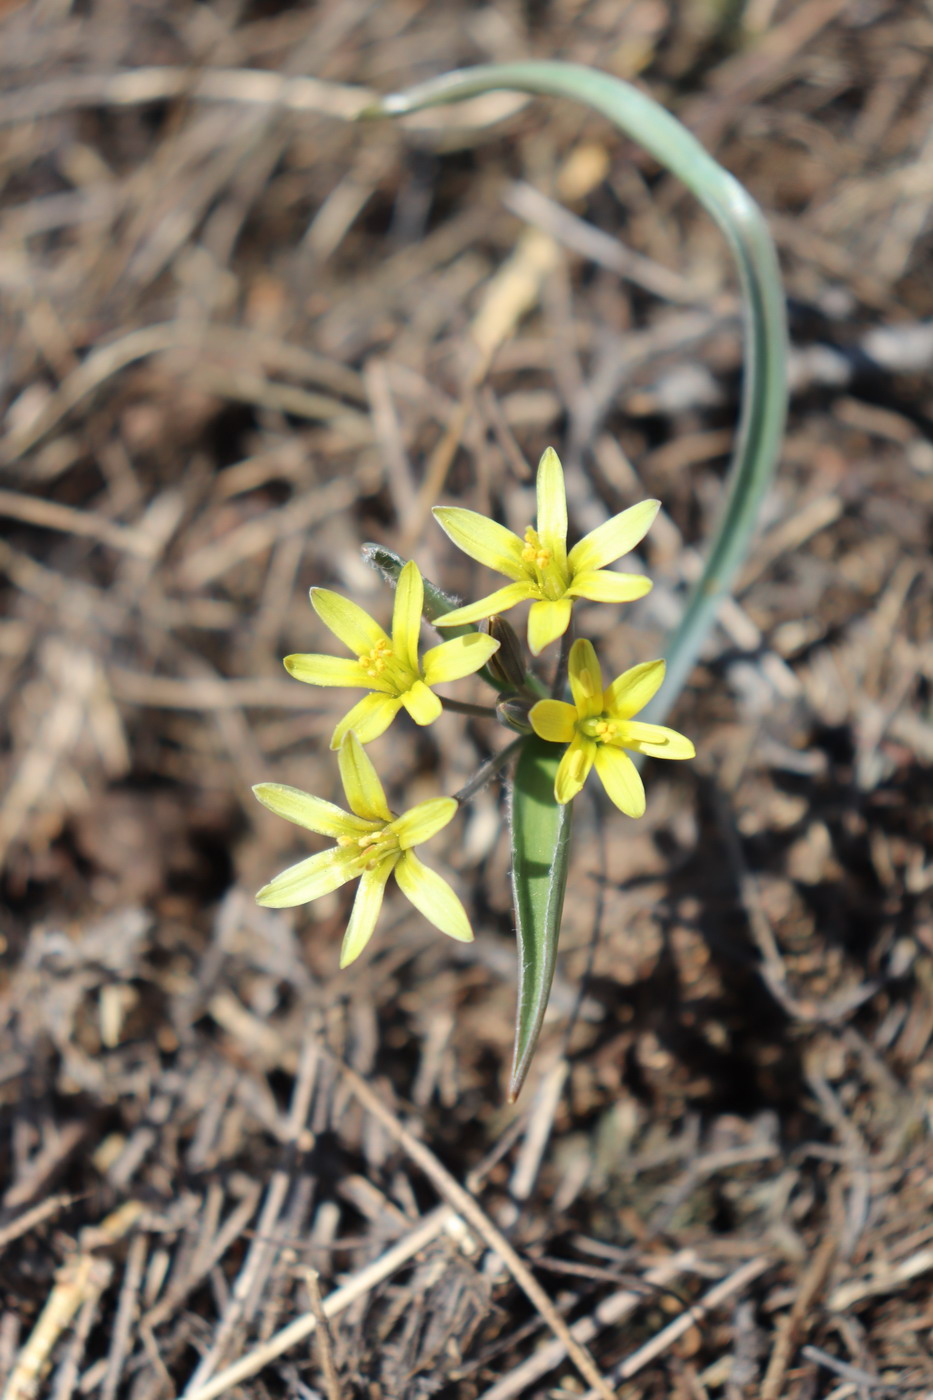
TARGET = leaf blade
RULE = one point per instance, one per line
(540, 834)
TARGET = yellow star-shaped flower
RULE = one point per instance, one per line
(388, 667)
(372, 844)
(539, 564)
(599, 726)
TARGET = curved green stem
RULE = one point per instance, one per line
(764, 395)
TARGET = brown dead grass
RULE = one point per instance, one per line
(237, 343)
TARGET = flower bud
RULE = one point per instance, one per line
(514, 712)
(507, 665)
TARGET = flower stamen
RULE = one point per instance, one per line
(375, 661)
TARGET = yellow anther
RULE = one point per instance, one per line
(346, 841)
(374, 662)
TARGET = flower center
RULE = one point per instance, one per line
(600, 728)
(374, 845)
(546, 572)
(376, 661)
(534, 552)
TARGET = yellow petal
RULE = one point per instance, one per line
(483, 539)
(369, 718)
(332, 670)
(422, 704)
(546, 622)
(620, 778)
(313, 813)
(423, 821)
(616, 537)
(656, 741)
(553, 720)
(366, 908)
(586, 679)
(459, 657)
(552, 507)
(603, 586)
(631, 691)
(355, 628)
(573, 769)
(433, 897)
(406, 617)
(498, 602)
(311, 878)
(360, 782)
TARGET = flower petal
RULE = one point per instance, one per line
(553, 720)
(311, 878)
(354, 627)
(406, 617)
(364, 791)
(621, 780)
(631, 691)
(313, 813)
(613, 539)
(331, 670)
(424, 820)
(366, 908)
(657, 741)
(433, 897)
(546, 622)
(483, 539)
(552, 507)
(586, 679)
(369, 718)
(603, 586)
(422, 704)
(573, 769)
(500, 601)
(459, 657)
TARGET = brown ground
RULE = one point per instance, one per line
(237, 339)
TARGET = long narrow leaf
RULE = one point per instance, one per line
(764, 405)
(540, 860)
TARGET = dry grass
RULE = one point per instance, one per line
(241, 336)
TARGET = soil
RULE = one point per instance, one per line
(243, 335)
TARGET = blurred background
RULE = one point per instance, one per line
(240, 335)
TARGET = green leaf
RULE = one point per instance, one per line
(540, 859)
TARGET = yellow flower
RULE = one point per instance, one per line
(386, 666)
(598, 727)
(539, 565)
(372, 844)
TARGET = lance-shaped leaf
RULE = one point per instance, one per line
(540, 860)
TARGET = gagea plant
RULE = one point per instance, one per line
(566, 719)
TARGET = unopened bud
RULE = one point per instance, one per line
(507, 665)
(514, 713)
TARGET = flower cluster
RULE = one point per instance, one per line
(598, 729)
